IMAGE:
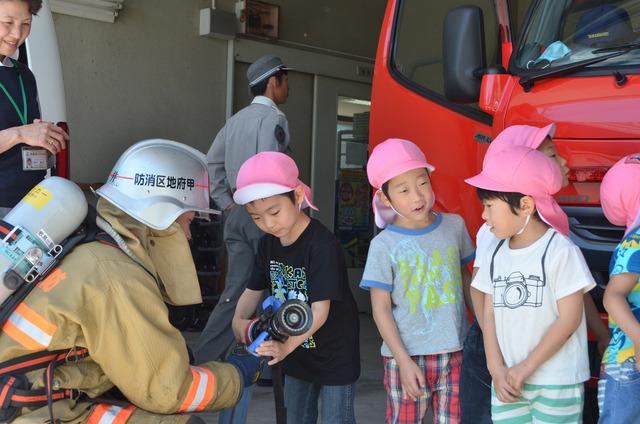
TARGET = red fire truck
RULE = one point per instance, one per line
(450, 75)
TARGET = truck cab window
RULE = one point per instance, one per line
(418, 40)
(562, 32)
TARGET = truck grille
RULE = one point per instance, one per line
(590, 224)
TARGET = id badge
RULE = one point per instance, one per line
(36, 159)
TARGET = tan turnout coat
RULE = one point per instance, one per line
(100, 299)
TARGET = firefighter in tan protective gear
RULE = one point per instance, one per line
(108, 298)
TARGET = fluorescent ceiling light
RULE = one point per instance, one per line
(99, 10)
(355, 101)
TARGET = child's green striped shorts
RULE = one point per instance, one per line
(541, 404)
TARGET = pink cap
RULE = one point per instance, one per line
(620, 192)
(521, 135)
(267, 174)
(389, 159)
(524, 170)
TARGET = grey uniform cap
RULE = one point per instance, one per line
(263, 68)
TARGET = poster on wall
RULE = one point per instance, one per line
(260, 18)
(353, 199)
(353, 214)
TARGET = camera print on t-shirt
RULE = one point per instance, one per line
(515, 290)
(288, 282)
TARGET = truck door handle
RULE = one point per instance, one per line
(482, 138)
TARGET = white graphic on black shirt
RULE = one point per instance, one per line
(288, 282)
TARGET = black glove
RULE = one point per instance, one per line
(248, 364)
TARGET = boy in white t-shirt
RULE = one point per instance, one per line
(475, 380)
(534, 280)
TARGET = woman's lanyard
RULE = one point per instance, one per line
(22, 115)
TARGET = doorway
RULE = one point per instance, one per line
(352, 217)
(338, 179)
(330, 100)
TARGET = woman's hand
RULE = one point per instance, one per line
(43, 134)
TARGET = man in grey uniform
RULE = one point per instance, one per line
(261, 126)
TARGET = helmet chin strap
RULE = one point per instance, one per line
(526, 222)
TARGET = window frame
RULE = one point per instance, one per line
(421, 90)
(598, 71)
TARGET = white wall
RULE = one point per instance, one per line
(151, 75)
(347, 26)
(147, 75)
(350, 26)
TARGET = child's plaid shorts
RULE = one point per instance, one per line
(442, 375)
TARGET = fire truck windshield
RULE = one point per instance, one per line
(560, 33)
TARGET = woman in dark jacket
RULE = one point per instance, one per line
(26, 142)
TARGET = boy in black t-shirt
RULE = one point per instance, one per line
(299, 258)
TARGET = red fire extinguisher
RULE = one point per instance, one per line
(61, 168)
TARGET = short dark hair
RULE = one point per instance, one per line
(34, 5)
(385, 189)
(260, 88)
(291, 195)
(510, 198)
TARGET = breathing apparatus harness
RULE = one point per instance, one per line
(15, 391)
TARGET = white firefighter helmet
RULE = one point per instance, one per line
(155, 181)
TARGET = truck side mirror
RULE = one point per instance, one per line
(463, 54)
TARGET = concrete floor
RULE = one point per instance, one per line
(370, 395)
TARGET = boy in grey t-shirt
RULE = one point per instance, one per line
(421, 269)
(418, 279)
